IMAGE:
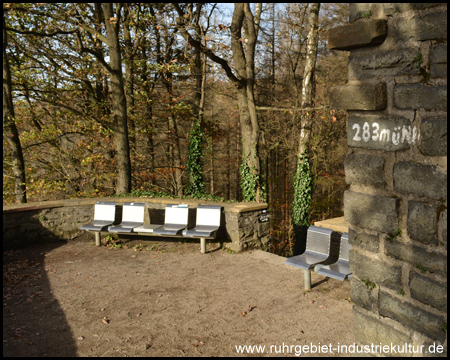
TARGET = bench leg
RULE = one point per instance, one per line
(202, 245)
(97, 238)
(307, 279)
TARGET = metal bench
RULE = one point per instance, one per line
(175, 220)
(340, 270)
(207, 224)
(318, 251)
(132, 217)
(104, 216)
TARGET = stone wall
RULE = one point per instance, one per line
(31, 223)
(396, 204)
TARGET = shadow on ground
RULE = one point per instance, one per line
(26, 293)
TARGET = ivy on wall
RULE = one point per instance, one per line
(195, 183)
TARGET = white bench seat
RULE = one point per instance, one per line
(146, 228)
(207, 224)
(104, 216)
(132, 217)
(175, 220)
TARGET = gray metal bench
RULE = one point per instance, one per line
(318, 251)
(132, 217)
(207, 224)
(175, 221)
(104, 216)
(340, 270)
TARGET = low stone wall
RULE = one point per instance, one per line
(25, 224)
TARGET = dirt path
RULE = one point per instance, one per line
(75, 299)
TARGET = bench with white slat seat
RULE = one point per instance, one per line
(104, 216)
(175, 220)
(207, 224)
(132, 217)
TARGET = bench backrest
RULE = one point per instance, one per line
(208, 215)
(176, 214)
(345, 247)
(133, 212)
(318, 239)
(105, 211)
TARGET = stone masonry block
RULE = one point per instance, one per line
(376, 271)
(390, 63)
(433, 133)
(392, 8)
(438, 59)
(428, 291)
(362, 33)
(357, 10)
(422, 222)
(422, 180)
(372, 212)
(380, 132)
(420, 96)
(358, 97)
(412, 316)
(364, 241)
(429, 27)
(417, 256)
(373, 331)
(360, 294)
(364, 169)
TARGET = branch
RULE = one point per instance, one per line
(52, 140)
(41, 34)
(61, 18)
(75, 111)
(98, 56)
(198, 45)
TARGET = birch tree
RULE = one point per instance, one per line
(302, 176)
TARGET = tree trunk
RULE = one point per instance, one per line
(129, 69)
(302, 177)
(11, 132)
(245, 64)
(308, 75)
(119, 103)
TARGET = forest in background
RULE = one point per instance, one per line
(199, 100)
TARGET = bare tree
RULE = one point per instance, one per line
(9, 124)
(243, 48)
